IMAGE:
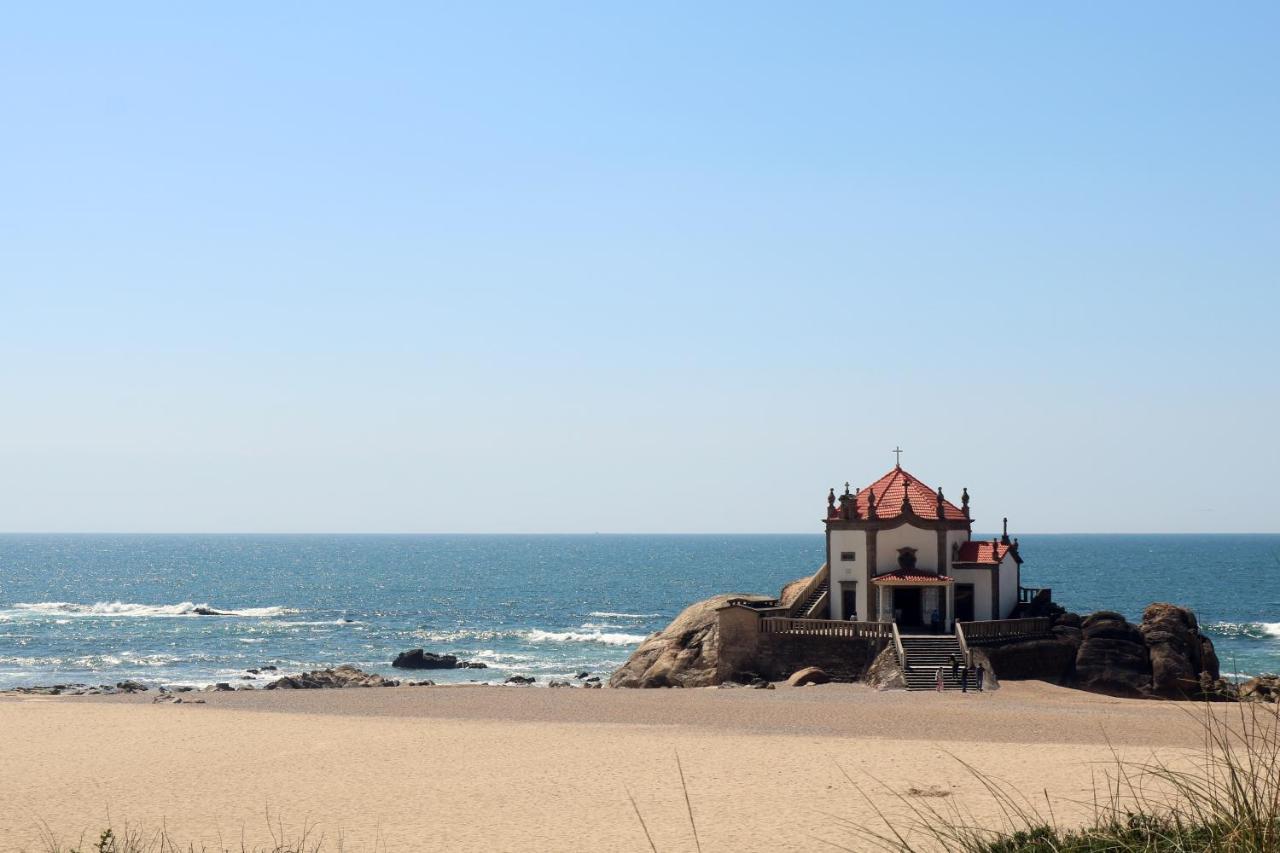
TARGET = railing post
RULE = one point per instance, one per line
(964, 646)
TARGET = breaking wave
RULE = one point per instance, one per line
(608, 639)
(606, 614)
(1250, 630)
(533, 635)
(121, 608)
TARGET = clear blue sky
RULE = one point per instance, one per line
(641, 267)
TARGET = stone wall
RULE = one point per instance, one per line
(843, 658)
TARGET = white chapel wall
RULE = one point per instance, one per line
(981, 580)
(889, 541)
(842, 541)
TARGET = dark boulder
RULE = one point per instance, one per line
(131, 687)
(520, 679)
(420, 659)
(1113, 658)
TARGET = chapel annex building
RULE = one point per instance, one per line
(898, 551)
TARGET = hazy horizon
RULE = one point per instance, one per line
(671, 268)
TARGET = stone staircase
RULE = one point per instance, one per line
(807, 607)
(925, 653)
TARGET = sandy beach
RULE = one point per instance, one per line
(499, 768)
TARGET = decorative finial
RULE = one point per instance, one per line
(846, 487)
(897, 457)
(940, 500)
(906, 494)
(871, 503)
(831, 498)
(1004, 537)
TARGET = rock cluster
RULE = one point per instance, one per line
(339, 676)
(422, 659)
(1164, 656)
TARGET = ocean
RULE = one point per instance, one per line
(97, 609)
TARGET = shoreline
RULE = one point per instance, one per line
(485, 768)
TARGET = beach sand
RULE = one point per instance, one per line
(504, 768)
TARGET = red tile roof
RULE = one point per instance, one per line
(981, 551)
(889, 490)
(911, 576)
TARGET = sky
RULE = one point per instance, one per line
(661, 267)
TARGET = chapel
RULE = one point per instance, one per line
(899, 551)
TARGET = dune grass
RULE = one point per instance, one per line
(1225, 800)
(136, 839)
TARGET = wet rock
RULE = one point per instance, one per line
(582, 675)
(420, 659)
(520, 679)
(131, 687)
(472, 664)
(592, 680)
(419, 684)
(560, 684)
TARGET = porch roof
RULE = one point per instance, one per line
(908, 576)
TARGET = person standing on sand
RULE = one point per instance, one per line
(955, 667)
(982, 670)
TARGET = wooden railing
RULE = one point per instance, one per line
(1003, 629)
(822, 574)
(964, 646)
(897, 646)
(826, 628)
(1027, 593)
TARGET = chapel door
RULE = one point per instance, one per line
(964, 602)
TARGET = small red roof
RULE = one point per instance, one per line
(911, 576)
(889, 490)
(981, 551)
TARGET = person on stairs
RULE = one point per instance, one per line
(955, 667)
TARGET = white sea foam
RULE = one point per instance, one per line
(1254, 630)
(606, 614)
(122, 608)
(609, 639)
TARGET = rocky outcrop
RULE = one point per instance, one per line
(684, 654)
(1179, 654)
(340, 676)
(421, 659)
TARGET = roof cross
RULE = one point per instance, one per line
(897, 457)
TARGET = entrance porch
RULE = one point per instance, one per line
(910, 598)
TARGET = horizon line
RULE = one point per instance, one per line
(580, 533)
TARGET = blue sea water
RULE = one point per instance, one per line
(100, 608)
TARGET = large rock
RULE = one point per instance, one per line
(420, 659)
(1113, 658)
(808, 675)
(684, 654)
(1178, 651)
(340, 676)
(884, 672)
